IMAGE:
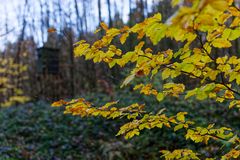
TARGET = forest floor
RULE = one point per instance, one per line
(36, 131)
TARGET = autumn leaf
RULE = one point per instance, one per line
(221, 43)
(51, 30)
(59, 103)
(128, 80)
(188, 67)
(229, 94)
(175, 2)
(97, 30)
(104, 26)
(123, 38)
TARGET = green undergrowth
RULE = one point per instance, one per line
(36, 131)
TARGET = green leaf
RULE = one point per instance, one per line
(187, 67)
(235, 34)
(191, 93)
(177, 127)
(181, 116)
(157, 33)
(166, 73)
(160, 97)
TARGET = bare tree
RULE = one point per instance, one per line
(141, 6)
(130, 7)
(70, 38)
(47, 16)
(85, 15)
(109, 13)
(60, 14)
(42, 20)
(78, 18)
(146, 7)
(99, 11)
(21, 37)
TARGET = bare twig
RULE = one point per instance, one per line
(4, 34)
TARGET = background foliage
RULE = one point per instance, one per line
(35, 131)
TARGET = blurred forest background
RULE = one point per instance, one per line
(37, 40)
(40, 35)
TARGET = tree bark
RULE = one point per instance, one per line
(99, 12)
(79, 19)
(109, 13)
(85, 15)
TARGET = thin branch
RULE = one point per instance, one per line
(4, 34)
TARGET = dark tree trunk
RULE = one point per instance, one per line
(99, 12)
(72, 68)
(109, 13)
(85, 15)
(42, 21)
(141, 10)
(47, 15)
(79, 19)
(146, 7)
(130, 7)
(60, 14)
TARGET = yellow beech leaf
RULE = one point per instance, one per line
(209, 87)
(201, 95)
(235, 34)
(188, 67)
(236, 22)
(166, 73)
(139, 86)
(238, 79)
(139, 46)
(221, 43)
(205, 19)
(191, 93)
(212, 74)
(81, 49)
(107, 105)
(132, 133)
(220, 5)
(59, 103)
(177, 127)
(233, 154)
(221, 60)
(123, 38)
(224, 17)
(229, 94)
(175, 2)
(234, 103)
(97, 30)
(112, 63)
(157, 17)
(181, 116)
(104, 26)
(226, 33)
(220, 99)
(230, 2)
(234, 11)
(233, 60)
(128, 80)
(157, 32)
